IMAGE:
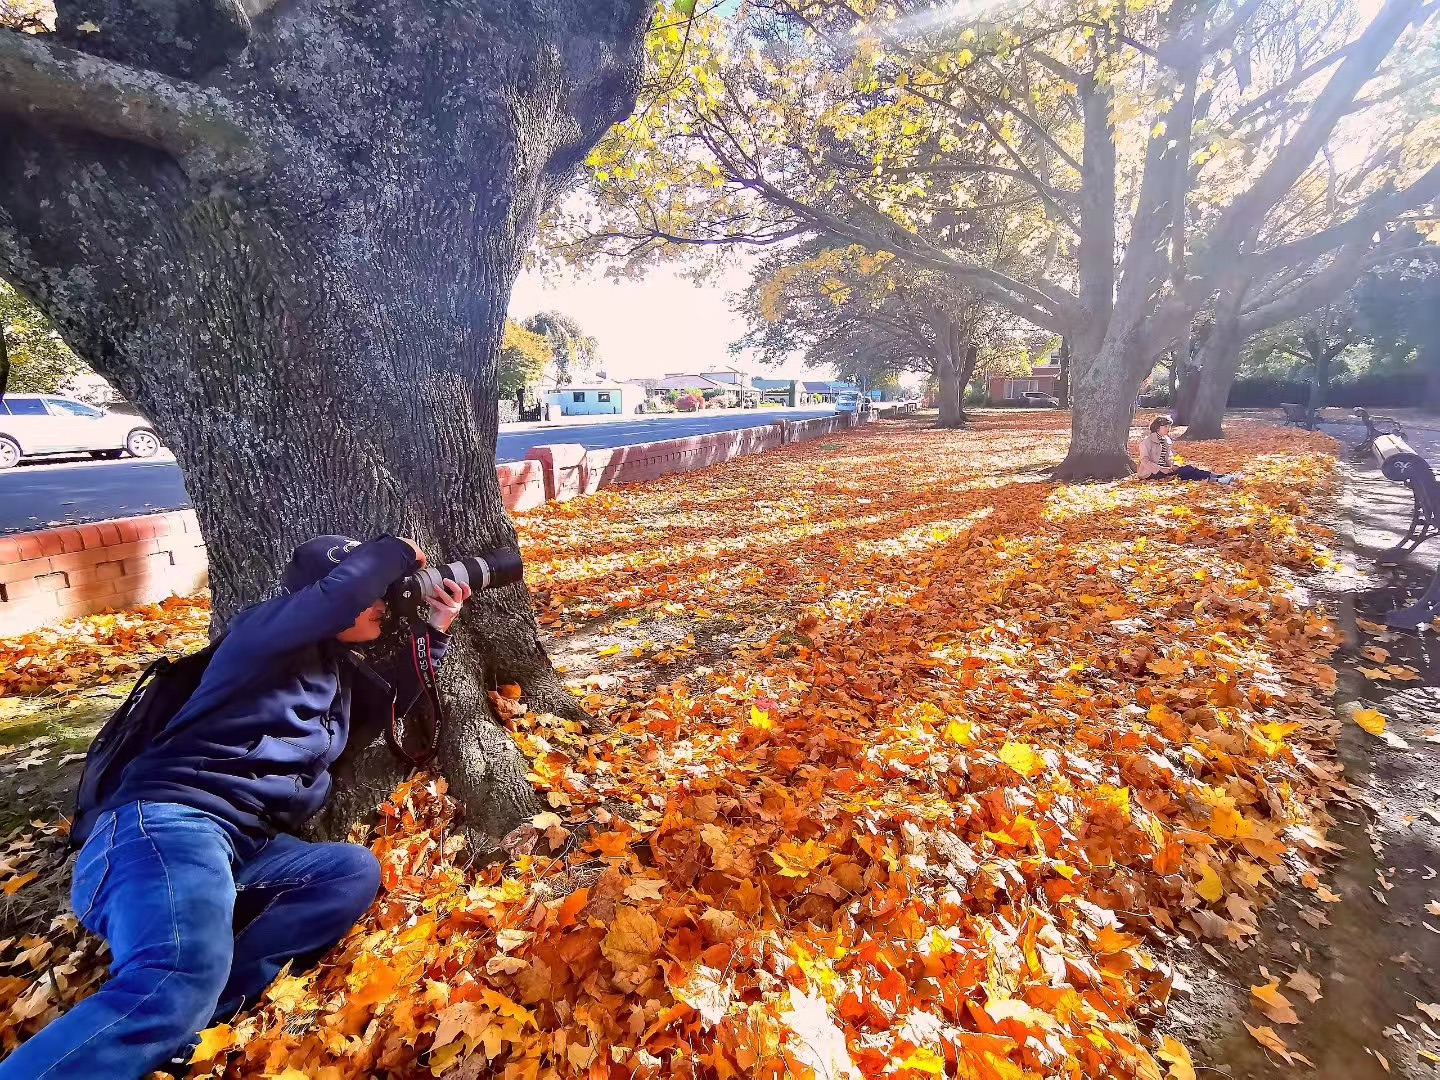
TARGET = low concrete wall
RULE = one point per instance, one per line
(78, 570)
(522, 484)
(596, 469)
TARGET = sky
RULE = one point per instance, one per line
(661, 325)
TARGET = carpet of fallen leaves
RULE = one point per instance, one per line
(913, 764)
(96, 649)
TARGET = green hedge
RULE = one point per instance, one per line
(1386, 390)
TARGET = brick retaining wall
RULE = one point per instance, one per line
(61, 573)
(81, 569)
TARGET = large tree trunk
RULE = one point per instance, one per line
(950, 396)
(1320, 384)
(318, 346)
(1104, 399)
(951, 375)
(1219, 364)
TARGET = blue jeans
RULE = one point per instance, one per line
(195, 933)
(1187, 472)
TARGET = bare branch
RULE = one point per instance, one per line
(53, 84)
(1245, 215)
(1356, 229)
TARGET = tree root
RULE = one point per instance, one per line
(1079, 466)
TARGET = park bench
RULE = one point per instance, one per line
(1297, 415)
(1375, 426)
(1400, 463)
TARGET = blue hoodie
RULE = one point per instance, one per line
(253, 746)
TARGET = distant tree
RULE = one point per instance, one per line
(33, 358)
(573, 352)
(1397, 309)
(1312, 346)
(524, 355)
(867, 317)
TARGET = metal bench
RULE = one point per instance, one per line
(1375, 426)
(1297, 415)
(1400, 463)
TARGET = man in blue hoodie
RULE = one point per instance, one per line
(191, 872)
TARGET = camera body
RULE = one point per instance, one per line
(487, 570)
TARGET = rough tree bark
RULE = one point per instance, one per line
(953, 367)
(1219, 363)
(1104, 397)
(315, 334)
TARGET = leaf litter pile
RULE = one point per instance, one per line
(912, 764)
(98, 649)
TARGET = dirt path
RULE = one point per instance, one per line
(1376, 951)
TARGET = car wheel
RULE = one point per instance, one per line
(9, 453)
(142, 443)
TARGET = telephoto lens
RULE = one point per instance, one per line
(489, 570)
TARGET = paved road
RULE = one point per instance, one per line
(71, 491)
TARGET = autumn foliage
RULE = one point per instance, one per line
(911, 764)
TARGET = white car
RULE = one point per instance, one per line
(33, 424)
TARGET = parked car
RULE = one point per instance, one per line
(848, 401)
(33, 424)
(1034, 399)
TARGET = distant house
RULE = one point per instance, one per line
(729, 376)
(813, 390)
(1044, 379)
(596, 398)
(725, 387)
(774, 389)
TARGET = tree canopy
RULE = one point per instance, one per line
(573, 353)
(39, 360)
(1145, 165)
(524, 356)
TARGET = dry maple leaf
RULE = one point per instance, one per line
(816, 1041)
(1306, 983)
(1267, 1038)
(1370, 719)
(213, 1042)
(1178, 1057)
(632, 940)
(1274, 1004)
(1022, 758)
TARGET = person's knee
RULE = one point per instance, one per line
(356, 873)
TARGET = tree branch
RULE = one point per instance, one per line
(54, 84)
(1318, 290)
(1355, 229)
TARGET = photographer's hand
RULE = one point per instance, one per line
(444, 609)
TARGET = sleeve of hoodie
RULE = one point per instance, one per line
(330, 606)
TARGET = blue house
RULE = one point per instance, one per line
(597, 398)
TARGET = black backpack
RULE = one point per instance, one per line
(158, 695)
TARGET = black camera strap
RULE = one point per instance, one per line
(424, 661)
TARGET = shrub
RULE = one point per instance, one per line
(1386, 390)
